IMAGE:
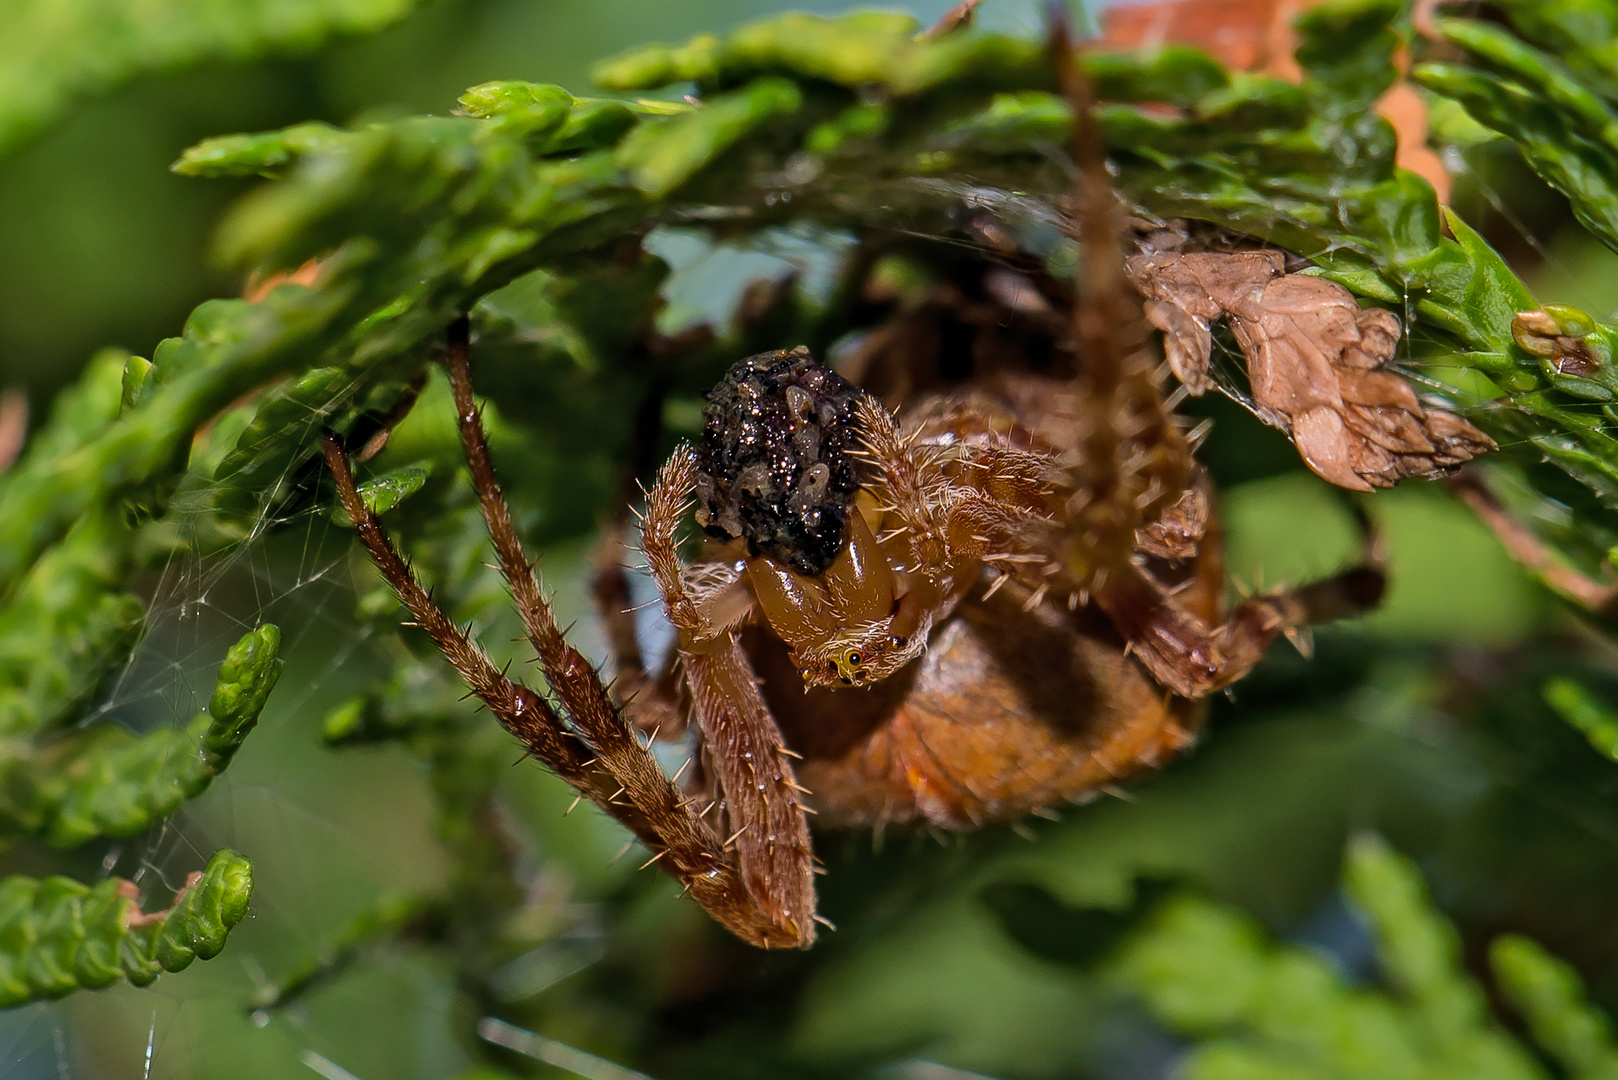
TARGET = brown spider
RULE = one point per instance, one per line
(971, 602)
(985, 645)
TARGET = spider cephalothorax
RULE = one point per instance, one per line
(778, 468)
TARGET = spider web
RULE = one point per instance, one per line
(285, 572)
(329, 831)
(306, 816)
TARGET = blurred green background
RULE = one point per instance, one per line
(1422, 721)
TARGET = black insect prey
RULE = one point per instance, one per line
(775, 464)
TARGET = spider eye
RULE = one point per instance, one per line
(853, 659)
(897, 642)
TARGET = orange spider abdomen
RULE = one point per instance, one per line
(1009, 713)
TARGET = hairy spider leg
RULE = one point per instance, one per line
(769, 828)
(1193, 659)
(1134, 464)
(520, 710)
(955, 505)
(593, 748)
(575, 682)
(1131, 461)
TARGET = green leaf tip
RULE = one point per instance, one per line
(551, 120)
(1419, 949)
(857, 49)
(382, 493)
(205, 912)
(266, 153)
(250, 671)
(647, 67)
(662, 155)
(137, 377)
(1551, 997)
(58, 935)
(1585, 713)
(514, 96)
(108, 782)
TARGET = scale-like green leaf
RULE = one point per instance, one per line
(1551, 997)
(109, 782)
(57, 936)
(55, 51)
(1260, 1010)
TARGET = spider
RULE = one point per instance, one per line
(961, 652)
(956, 602)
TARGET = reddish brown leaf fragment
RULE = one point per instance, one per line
(1316, 362)
(1238, 32)
(257, 287)
(13, 426)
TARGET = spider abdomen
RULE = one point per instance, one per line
(775, 464)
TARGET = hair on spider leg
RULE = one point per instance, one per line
(1301, 638)
(995, 585)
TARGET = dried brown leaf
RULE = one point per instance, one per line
(1316, 362)
(1257, 35)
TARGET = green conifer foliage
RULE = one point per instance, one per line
(52, 52)
(530, 207)
(1260, 1010)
